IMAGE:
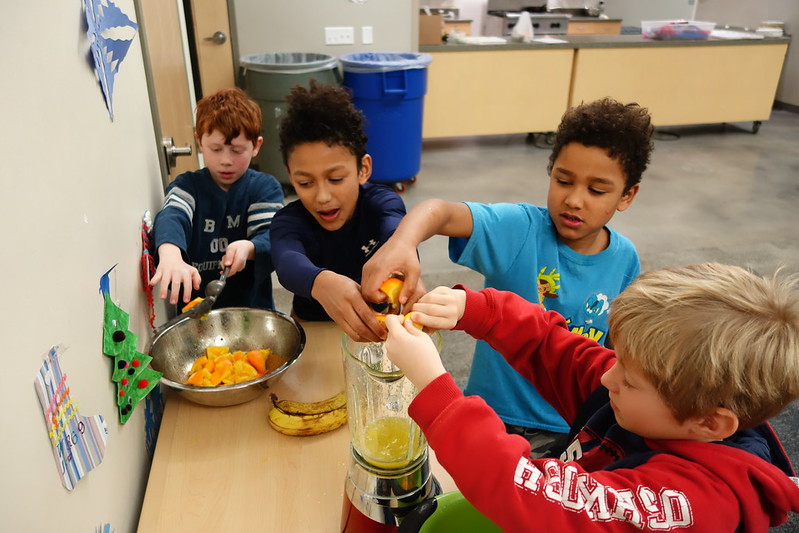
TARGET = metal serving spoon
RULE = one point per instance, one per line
(212, 292)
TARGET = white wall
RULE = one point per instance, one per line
(298, 25)
(75, 186)
(632, 12)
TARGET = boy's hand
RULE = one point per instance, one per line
(342, 300)
(174, 274)
(395, 256)
(440, 308)
(412, 351)
(237, 254)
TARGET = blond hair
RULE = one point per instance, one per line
(713, 335)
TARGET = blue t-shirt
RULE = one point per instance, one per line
(301, 248)
(201, 219)
(515, 246)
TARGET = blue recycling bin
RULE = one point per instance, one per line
(389, 89)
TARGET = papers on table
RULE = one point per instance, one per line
(548, 40)
(733, 34)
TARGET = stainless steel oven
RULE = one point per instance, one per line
(502, 16)
(501, 23)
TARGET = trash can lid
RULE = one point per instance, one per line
(288, 62)
(384, 61)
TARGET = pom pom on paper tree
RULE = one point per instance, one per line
(131, 372)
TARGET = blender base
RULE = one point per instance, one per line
(376, 501)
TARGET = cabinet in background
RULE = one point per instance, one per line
(692, 84)
(496, 92)
(582, 26)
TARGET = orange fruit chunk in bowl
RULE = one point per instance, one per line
(219, 366)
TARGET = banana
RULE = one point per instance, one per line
(308, 418)
(311, 408)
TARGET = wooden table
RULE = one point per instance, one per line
(225, 469)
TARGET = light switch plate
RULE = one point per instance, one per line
(339, 35)
(367, 36)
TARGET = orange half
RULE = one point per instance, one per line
(391, 288)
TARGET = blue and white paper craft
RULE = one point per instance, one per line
(110, 34)
(78, 442)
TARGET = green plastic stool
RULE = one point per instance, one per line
(447, 513)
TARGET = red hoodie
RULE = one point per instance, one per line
(619, 481)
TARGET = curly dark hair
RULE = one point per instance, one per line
(624, 131)
(322, 113)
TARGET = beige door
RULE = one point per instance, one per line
(160, 29)
(166, 60)
(210, 20)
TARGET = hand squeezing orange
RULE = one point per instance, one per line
(392, 288)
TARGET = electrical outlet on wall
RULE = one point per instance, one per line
(339, 35)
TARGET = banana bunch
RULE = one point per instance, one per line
(308, 418)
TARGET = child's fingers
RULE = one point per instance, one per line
(412, 327)
(393, 323)
(430, 322)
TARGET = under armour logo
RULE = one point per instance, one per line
(369, 248)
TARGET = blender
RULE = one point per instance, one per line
(389, 472)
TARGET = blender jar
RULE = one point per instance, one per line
(382, 435)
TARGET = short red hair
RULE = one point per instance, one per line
(230, 112)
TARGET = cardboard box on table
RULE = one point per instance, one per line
(430, 29)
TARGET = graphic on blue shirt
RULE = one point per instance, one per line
(596, 305)
(547, 285)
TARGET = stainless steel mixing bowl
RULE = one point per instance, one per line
(239, 328)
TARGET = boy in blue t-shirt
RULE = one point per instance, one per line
(321, 241)
(562, 256)
(220, 214)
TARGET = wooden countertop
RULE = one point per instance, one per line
(226, 469)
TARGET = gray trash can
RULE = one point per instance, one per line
(267, 79)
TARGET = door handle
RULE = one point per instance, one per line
(218, 38)
(172, 152)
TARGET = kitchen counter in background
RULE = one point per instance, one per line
(523, 88)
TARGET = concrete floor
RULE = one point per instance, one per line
(711, 193)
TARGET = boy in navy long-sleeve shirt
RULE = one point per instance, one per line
(220, 215)
(321, 241)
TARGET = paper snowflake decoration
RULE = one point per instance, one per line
(110, 35)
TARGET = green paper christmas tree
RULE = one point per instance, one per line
(132, 374)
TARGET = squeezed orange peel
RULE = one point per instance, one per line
(382, 320)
